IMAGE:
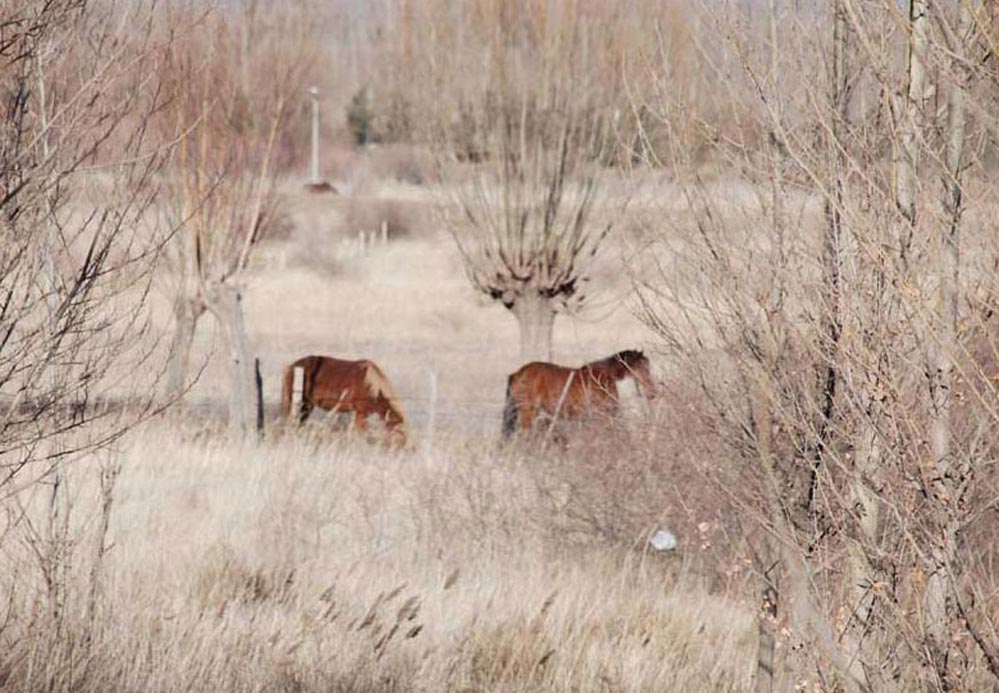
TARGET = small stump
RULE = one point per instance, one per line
(320, 187)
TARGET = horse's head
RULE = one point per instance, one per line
(396, 438)
(396, 431)
(634, 363)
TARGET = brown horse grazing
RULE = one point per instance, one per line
(336, 385)
(572, 393)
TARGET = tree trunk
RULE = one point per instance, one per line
(767, 622)
(949, 476)
(832, 246)
(769, 593)
(863, 499)
(805, 616)
(225, 303)
(909, 117)
(186, 311)
(863, 537)
(536, 317)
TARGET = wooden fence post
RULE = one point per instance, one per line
(297, 385)
(260, 397)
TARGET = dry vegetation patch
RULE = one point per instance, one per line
(327, 565)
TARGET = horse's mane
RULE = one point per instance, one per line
(378, 384)
(621, 362)
(629, 357)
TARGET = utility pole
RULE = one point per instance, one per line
(316, 182)
(314, 93)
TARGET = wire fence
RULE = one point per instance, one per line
(462, 391)
(459, 413)
(425, 415)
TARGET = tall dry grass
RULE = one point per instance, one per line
(315, 564)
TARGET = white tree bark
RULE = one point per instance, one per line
(186, 312)
(536, 317)
(225, 303)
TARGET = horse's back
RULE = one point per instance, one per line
(539, 381)
(313, 363)
(326, 376)
(540, 369)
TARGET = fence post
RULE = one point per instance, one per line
(384, 232)
(260, 397)
(297, 385)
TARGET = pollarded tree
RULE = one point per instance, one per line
(530, 219)
(223, 181)
(528, 238)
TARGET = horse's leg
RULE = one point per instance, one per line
(526, 417)
(361, 419)
(308, 390)
(304, 411)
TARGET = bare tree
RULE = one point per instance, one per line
(528, 234)
(952, 470)
(529, 220)
(78, 167)
(861, 572)
(223, 182)
(834, 377)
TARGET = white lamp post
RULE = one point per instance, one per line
(316, 183)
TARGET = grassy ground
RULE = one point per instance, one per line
(314, 562)
(306, 564)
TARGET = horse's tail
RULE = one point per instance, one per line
(378, 386)
(510, 411)
(286, 392)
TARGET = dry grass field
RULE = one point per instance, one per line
(314, 561)
(788, 207)
(316, 566)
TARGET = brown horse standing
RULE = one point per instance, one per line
(336, 385)
(572, 393)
